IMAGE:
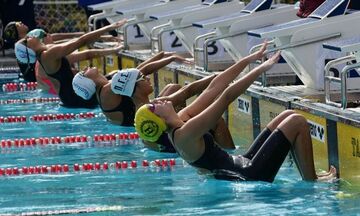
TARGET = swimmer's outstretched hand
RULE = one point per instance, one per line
(118, 47)
(160, 99)
(181, 59)
(117, 24)
(260, 53)
(271, 61)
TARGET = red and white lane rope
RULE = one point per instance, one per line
(12, 119)
(12, 87)
(43, 141)
(68, 211)
(30, 100)
(85, 167)
(63, 116)
(49, 117)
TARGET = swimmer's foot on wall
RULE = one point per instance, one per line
(330, 176)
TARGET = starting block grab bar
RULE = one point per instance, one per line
(342, 79)
(155, 40)
(291, 45)
(198, 50)
(163, 29)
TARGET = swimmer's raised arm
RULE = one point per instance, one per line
(63, 36)
(179, 97)
(156, 57)
(197, 126)
(219, 83)
(156, 65)
(93, 53)
(60, 50)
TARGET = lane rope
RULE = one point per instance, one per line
(49, 117)
(30, 100)
(86, 167)
(13, 87)
(44, 141)
(68, 211)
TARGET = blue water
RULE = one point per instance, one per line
(143, 191)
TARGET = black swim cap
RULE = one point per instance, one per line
(11, 34)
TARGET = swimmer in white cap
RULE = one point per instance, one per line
(116, 96)
(56, 61)
(129, 89)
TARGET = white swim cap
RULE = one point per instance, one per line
(83, 86)
(124, 81)
(24, 54)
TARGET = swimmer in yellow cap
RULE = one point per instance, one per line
(130, 88)
(148, 124)
(286, 132)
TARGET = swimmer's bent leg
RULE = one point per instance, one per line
(258, 142)
(268, 160)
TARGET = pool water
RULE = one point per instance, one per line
(175, 190)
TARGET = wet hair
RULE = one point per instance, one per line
(11, 34)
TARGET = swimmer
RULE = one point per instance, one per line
(287, 132)
(130, 89)
(15, 31)
(55, 61)
(44, 81)
(117, 105)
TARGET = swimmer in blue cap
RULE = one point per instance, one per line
(286, 132)
(15, 31)
(56, 61)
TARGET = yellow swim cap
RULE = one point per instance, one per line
(148, 125)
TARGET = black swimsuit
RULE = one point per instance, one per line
(261, 163)
(28, 72)
(127, 107)
(164, 144)
(66, 94)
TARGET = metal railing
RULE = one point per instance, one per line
(207, 41)
(94, 18)
(155, 39)
(198, 50)
(342, 79)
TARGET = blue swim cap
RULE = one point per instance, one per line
(37, 33)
